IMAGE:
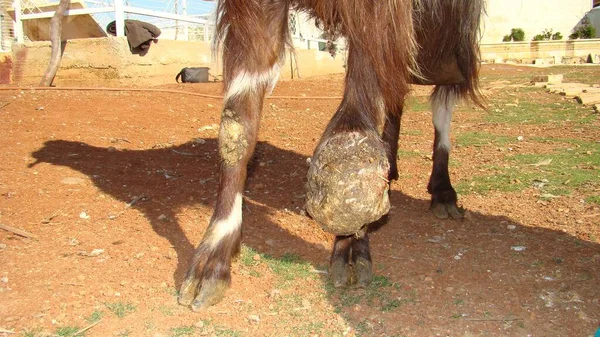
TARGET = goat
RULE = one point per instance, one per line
(390, 44)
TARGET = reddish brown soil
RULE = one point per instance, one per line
(71, 161)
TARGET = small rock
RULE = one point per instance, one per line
(199, 324)
(111, 149)
(428, 279)
(270, 242)
(96, 252)
(511, 227)
(199, 141)
(2, 246)
(520, 138)
(73, 242)
(435, 239)
(162, 217)
(275, 293)
(4, 279)
(39, 108)
(254, 319)
(449, 289)
(84, 215)
(518, 248)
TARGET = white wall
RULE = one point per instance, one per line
(533, 16)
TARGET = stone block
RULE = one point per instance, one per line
(548, 78)
(588, 99)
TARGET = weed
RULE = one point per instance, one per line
(479, 139)
(182, 331)
(593, 199)
(95, 316)
(68, 331)
(167, 311)
(121, 309)
(288, 267)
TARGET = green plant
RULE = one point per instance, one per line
(121, 309)
(548, 35)
(557, 36)
(584, 30)
(68, 331)
(516, 34)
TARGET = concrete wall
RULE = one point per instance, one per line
(108, 61)
(569, 51)
(533, 16)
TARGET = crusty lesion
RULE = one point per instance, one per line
(233, 142)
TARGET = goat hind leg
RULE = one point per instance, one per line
(443, 195)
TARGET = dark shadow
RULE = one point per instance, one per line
(187, 176)
(476, 254)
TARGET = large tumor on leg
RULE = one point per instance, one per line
(347, 183)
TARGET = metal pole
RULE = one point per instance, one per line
(185, 24)
(18, 22)
(120, 17)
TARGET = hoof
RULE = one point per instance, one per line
(347, 183)
(449, 210)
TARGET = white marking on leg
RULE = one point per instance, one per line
(246, 82)
(442, 105)
(222, 228)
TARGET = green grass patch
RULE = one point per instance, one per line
(121, 309)
(95, 316)
(593, 199)
(480, 139)
(418, 104)
(288, 267)
(68, 331)
(529, 111)
(182, 331)
(557, 173)
(381, 293)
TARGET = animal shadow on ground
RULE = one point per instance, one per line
(413, 248)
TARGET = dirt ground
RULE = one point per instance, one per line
(117, 189)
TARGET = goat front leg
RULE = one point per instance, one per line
(251, 69)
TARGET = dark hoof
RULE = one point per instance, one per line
(208, 277)
(347, 182)
(445, 211)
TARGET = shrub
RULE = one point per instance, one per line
(584, 31)
(516, 34)
(557, 36)
(547, 35)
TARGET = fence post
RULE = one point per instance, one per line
(119, 17)
(185, 24)
(18, 22)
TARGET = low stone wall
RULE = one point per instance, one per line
(549, 52)
(108, 62)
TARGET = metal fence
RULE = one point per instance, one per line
(177, 19)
